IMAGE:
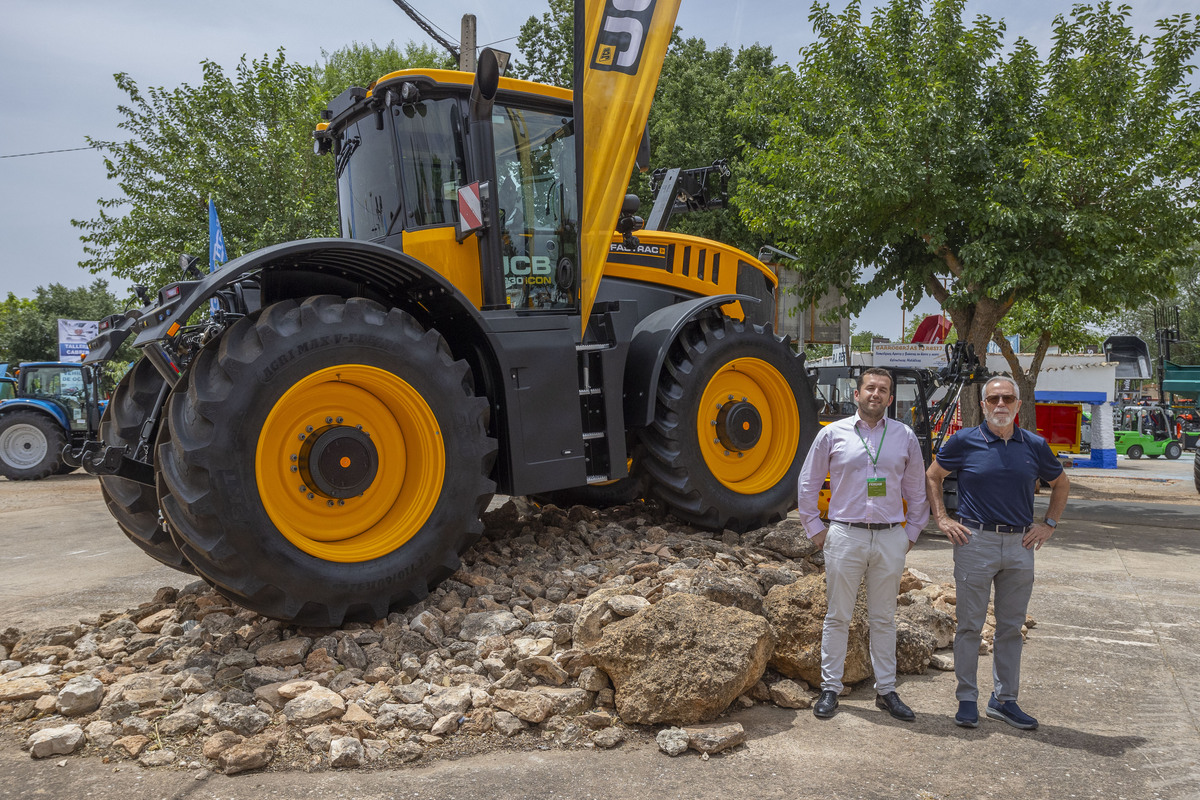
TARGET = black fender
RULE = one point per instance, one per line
(345, 267)
(648, 348)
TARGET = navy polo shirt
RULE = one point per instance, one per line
(996, 478)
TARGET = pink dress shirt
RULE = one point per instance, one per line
(838, 451)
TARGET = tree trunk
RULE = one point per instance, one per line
(1026, 379)
(976, 322)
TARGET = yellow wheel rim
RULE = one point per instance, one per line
(408, 450)
(755, 384)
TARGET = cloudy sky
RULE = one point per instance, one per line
(57, 59)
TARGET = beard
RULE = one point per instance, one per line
(1000, 419)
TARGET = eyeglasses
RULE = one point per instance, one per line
(996, 399)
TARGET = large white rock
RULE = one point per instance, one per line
(81, 695)
(59, 741)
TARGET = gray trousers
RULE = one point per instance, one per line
(991, 559)
(852, 554)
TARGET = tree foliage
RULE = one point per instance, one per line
(244, 139)
(363, 64)
(920, 146)
(29, 326)
(547, 47)
(692, 125)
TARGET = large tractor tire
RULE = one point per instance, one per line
(1196, 467)
(733, 421)
(31, 445)
(326, 461)
(135, 505)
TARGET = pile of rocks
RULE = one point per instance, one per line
(564, 628)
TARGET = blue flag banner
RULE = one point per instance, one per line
(216, 239)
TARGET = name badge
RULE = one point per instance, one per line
(876, 487)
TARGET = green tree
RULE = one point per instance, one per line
(981, 176)
(547, 47)
(29, 326)
(363, 64)
(243, 139)
(691, 125)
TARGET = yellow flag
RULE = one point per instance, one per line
(619, 50)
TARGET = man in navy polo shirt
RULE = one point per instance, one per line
(998, 466)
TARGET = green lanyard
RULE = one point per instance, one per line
(875, 458)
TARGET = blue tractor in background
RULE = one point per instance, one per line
(46, 409)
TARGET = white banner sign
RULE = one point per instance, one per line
(901, 354)
(73, 336)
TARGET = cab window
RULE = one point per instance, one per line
(428, 136)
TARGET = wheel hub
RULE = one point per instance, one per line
(23, 446)
(338, 462)
(739, 425)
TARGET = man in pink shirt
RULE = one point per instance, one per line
(874, 465)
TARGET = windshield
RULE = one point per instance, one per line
(368, 197)
(53, 381)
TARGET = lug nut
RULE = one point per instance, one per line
(329, 503)
(302, 437)
(295, 468)
(328, 420)
(339, 420)
(295, 457)
(311, 495)
(309, 428)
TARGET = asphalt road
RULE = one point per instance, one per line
(1111, 671)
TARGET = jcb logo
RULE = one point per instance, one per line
(622, 35)
(520, 265)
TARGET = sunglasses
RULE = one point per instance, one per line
(996, 399)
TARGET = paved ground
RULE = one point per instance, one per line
(1110, 670)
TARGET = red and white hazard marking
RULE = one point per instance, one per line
(470, 210)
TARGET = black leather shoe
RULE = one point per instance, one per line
(892, 704)
(826, 705)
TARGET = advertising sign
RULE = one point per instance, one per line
(73, 336)
(901, 354)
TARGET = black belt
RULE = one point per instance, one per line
(977, 525)
(870, 526)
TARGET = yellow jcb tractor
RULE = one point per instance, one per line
(321, 447)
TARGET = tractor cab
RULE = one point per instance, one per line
(413, 173)
(65, 386)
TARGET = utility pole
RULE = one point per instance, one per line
(466, 58)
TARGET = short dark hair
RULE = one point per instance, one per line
(875, 371)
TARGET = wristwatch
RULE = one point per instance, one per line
(1053, 523)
